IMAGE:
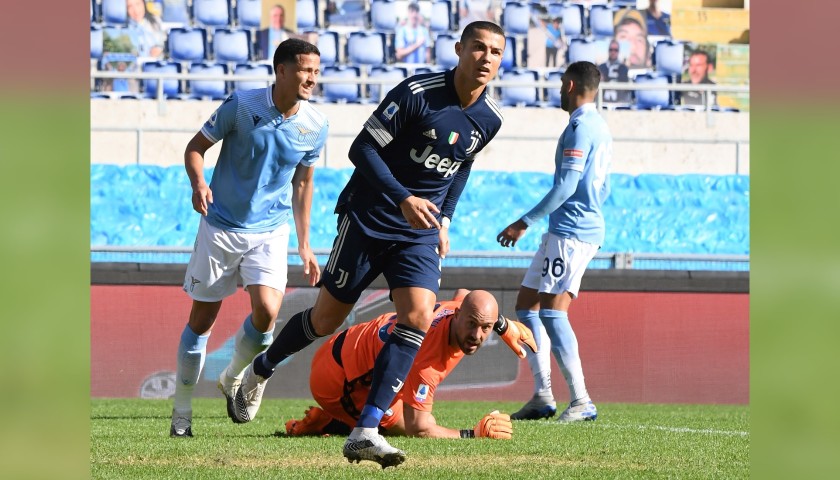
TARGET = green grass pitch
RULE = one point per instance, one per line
(129, 439)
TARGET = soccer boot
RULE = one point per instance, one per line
(368, 444)
(585, 412)
(539, 406)
(229, 386)
(312, 423)
(181, 424)
(249, 396)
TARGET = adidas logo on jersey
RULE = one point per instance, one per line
(432, 160)
(431, 134)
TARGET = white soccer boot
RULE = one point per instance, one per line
(368, 444)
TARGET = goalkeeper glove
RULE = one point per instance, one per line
(494, 425)
(513, 332)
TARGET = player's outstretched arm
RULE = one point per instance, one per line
(515, 334)
(423, 424)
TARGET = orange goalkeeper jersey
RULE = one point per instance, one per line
(359, 345)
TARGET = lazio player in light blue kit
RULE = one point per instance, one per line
(575, 233)
(271, 138)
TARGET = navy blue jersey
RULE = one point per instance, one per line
(427, 143)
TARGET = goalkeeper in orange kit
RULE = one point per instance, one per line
(342, 371)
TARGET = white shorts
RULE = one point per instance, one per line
(221, 258)
(559, 264)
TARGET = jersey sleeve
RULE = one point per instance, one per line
(222, 121)
(574, 151)
(400, 108)
(421, 386)
(312, 156)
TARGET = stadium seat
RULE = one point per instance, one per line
(211, 13)
(581, 49)
(572, 14)
(509, 55)
(94, 17)
(307, 14)
(214, 89)
(366, 48)
(328, 46)
(553, 94)
(516, 18)
(445, 50)
(248, 13)
(171, 87)
(341, 92)
(252, 69)
(397, 74)
(429, 69)
(232, 46)
(668, 57)
(652, 99)
(519, 96)
(440, 18)
(114, 12)
(187, 44)
(176, 11)
(383, 15)
(601, 21)
(96, 42)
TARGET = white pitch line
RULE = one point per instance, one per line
(679, 429)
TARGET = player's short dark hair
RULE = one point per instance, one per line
(413, 6)
(289, 49)
(471, 29)
(585, 74)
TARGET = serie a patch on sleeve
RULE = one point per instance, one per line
(573, 152)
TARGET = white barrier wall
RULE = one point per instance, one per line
(646, 142)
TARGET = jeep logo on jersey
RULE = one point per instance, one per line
(432, 160)
(474, 138)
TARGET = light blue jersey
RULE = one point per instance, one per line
(251, 183)
(581, 179)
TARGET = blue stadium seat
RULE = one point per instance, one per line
(509, 55)
(175, 11)
(581, 49)
(516, 18)
(96, 42)
(520, 96)
(383, 15)
(668, 57)
(187, 44)
(328, 46)
(341, 92)
(211, 13)
(652, 99)
(214, 89)
(232, 46)
(248, 13)
(114, 12)
(307, 14)
(553, 94)
(572, 19)
(445, 50)
(440, 18)
(252, 69)
(397, 74)
(94, 11)
(366, 48)
(601, 21)
(171, 87)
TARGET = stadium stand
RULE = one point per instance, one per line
(520, 96)
(397, 74)
(114, 12)
(573, 15)
(552, 95)
(328, 45)
(583, 49)
(601, 21)
(211, 13)
(516, 18)
(445, 50)
(440, 18)
(307, 15)
(171, 87)
(341, 92)
(176, 12)
(366, 48)
(509, 55)
(383, 15)
(652, 99)
(248, 13)
(96, 42)
(668, 56)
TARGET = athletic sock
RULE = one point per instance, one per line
(565, 347)
(389, 371)
(249, 342)
(192, 350)
(539, 362)
(297, 334)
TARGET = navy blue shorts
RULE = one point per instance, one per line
(357, 259)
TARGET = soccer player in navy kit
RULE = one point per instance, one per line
(412, 160)
(271, 138)
(575, 233)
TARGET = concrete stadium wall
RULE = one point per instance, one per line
(659, 142)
